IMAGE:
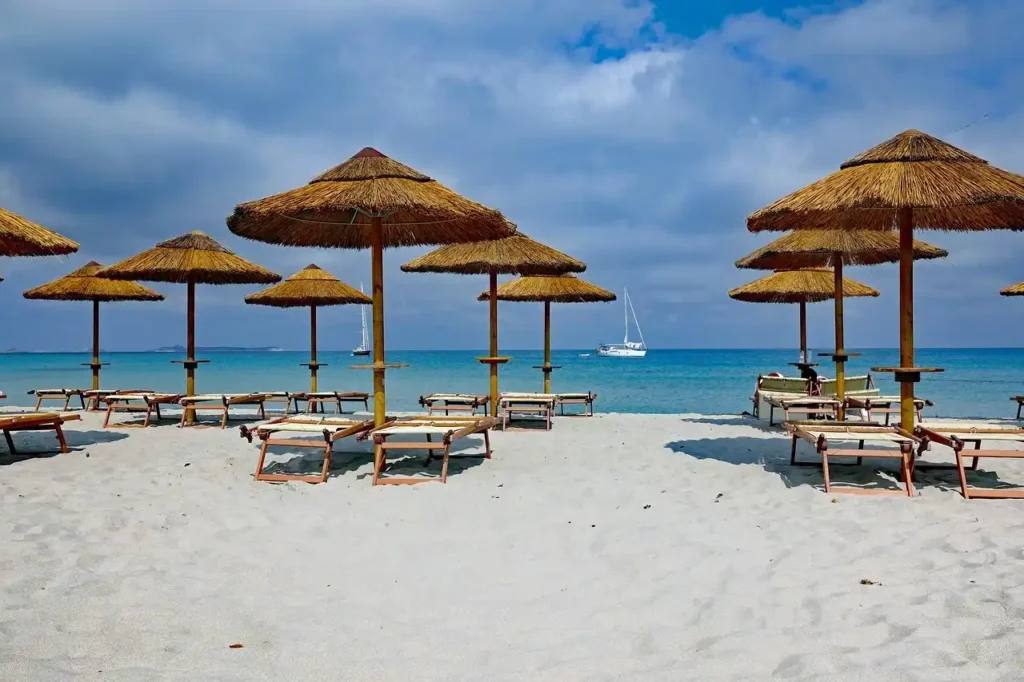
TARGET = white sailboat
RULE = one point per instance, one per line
(364, 347)
(626, 349)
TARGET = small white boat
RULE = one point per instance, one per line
(626, 349)
(584, 355)
(364, 347)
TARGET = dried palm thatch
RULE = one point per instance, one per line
(514, 255)
(553, 289)
(192, 257)
(826, 248)
(84, 285)
(310, 286)
(946, 188)
(335, 209)
(21, 237)
(798, 286)
(1013, 290)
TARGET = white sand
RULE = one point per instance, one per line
(144, 554)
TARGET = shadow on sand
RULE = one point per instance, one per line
(43, 444)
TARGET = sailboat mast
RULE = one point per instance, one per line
(362, 313)
(625, 314)
(637, 323)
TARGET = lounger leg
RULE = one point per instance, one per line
(67, 402)
(157, 408)
(327, 461)
(905, 466)
(224, 419)
(771, 415)
(792, 453)
(60, 439)
(974, 464)
(378, 460)
(10, 442)
(149, 412)
(487, 444)
(825, 472)
(106, 420)
(259, 464)
(444, 464)
(82, 398)
(1020, 405)
(39, 401)
(962, 474)
(263, 411)
(430, 453)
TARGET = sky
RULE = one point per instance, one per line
(634, 135)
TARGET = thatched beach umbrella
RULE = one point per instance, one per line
(370, 201)
(21, 237)
(190, 259)
(1013, 290)
(550, 289)
(515, 255)
(832, 249)
(311, 287)
(810, 285)
(84, 285)
(911, 180)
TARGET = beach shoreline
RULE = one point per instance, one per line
(661, 547)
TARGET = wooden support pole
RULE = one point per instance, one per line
(190, 360)
(547, 346)
(803, 332)
(905, 217)
(312, 349)
(494, 339)
(840, 350)
(377, 274)
(95, 345)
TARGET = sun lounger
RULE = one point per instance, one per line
(1019, 399)
(526, 404)
(446, 429)
(282, 397)
(35, 421)
(96, 397)
(585, 399)
(217, 402)
(778, 387)
(956, 436)
(316, 401)
(63, 395)
(329, 430)
(811, 407)
(882, 404)
(137, 402)
(895, 444)
(454, 402)
(859, 386)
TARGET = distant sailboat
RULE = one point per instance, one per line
(626, 349)
(364, 347)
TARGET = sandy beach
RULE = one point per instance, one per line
(656, 547)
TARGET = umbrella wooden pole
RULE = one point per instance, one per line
(312, 349)
(95, 345)
(803, 331)
(547, 346)
(377, 274)
(905, 216)
(494, 339)
(840, 351)
(190, 361)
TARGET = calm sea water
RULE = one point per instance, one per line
(977, 382)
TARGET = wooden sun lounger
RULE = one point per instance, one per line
(315, 401)
(137, 402)
(217, 402)
(454, 402)
(94, 397)
(585, 399)
(956, 436)
(822, 436)
(1019, 399)
(808, 406)
(282, 397)
(883, 404)
(447, 430)
(526, 404)
(63, 395)
(35, 421)
(330, 430)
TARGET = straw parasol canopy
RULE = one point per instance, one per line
(798, 286)
(827, 248)
(514, 255)
(193, 258)
(911, 180)
(21, 237)
(370, 201)
(84, 285)
(311, 287)
(550, 289)
(1013, 290)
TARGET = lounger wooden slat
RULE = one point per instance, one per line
(821, 438)
(149, 403)
(446, 429)
(526, 404)
(956, 436)
(35, 421)
(222, 403)
(585, 399)
(454, 402)
(330, 430)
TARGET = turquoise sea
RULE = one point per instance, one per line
(977, 382)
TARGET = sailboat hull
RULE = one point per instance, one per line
(611, 351)
(360, 352)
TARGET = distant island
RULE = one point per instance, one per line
(218, 349)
